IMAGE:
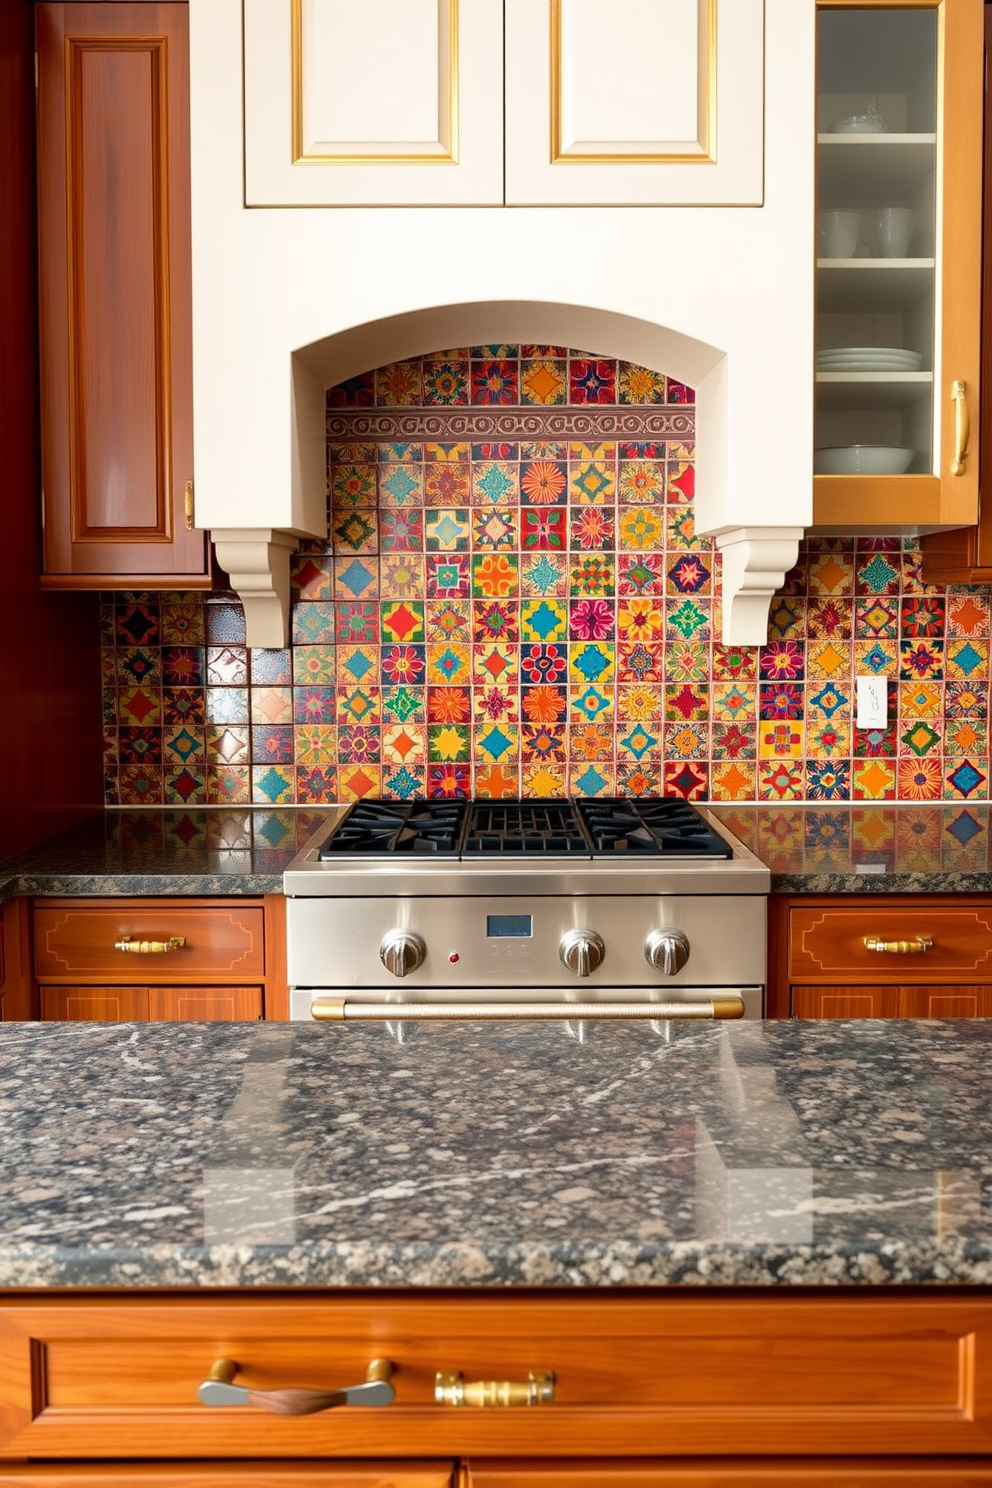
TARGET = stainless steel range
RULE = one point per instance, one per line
(627, 907)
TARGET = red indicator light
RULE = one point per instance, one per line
(453, 957)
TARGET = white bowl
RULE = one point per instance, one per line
(862, 459)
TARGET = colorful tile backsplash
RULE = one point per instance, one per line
(512, 599)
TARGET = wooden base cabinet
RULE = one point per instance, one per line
(880, 956)
(855, 1388)
(160, 960)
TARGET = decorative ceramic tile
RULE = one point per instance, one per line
(512, 598)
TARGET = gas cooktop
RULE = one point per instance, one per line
(647, 827)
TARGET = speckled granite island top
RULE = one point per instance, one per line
(211, 1155)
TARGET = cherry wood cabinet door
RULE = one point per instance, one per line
(326, 1474)
(892, 1002)
(737, 1472)
(76, 942)
(115, 296)
(155, 1004)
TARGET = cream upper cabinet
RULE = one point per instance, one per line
(492, 102)
(373, 102)
(634, 102)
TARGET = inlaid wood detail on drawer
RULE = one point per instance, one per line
(156, 1004)
(640, 1376)
(74, 943)
(922, 944)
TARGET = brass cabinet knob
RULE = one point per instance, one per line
(538, 1388)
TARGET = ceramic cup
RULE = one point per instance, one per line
(837, 233)
(892, 229)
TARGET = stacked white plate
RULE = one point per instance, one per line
(868, 359)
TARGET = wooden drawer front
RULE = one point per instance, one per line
(158, 1004)
(848, 1001)
(77, 943)
(774, 1373)
(187, 1474)
(829, 943)
(763, 1472)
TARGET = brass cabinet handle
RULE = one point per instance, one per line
(219, 1389)
(150, 947)
(188, 505)
(537, 1389)
(341, 1010)
(899, 947)
(962, 427)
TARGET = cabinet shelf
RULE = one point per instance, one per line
(872, 284)
(871, 390)
(854, 169)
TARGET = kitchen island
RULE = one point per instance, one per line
(721, 1242)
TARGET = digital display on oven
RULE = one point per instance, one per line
(509, 926)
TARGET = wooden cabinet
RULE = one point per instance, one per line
(791, 1385)
(403, 103)
(880, 956)
(900, 105)
(170, 960)
(115, 297)
(249, 1474)
(964, 555)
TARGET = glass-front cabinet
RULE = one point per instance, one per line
(898, 244)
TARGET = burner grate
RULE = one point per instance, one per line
(375, 828)
(657, 826)
(524, 828)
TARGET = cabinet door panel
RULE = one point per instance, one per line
(299, 1474)
(945, 1002)
(94, 1004)
(114, 235)
(846, 1002)
(657, 104)
(738, 1472)
(399, 103)
(204, 1004)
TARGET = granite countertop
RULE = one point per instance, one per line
(171, 850)
(810, 848)
(870, 848)
(213, 1155)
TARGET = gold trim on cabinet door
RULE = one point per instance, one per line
(706, 154)
(448, 100)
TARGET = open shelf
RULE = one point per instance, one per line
(853, 169)
(870, 390)
(872, 284)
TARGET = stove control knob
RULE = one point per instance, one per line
(581, 951)
(401, 952)
(667, 951)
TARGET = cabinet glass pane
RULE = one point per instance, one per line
(877, 149)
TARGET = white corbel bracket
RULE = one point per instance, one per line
(257, 561)
(755, 563)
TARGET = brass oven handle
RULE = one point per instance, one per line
(899, 947)
(962, 426)
(218, 1389)
(340, 1010)
(150, 947)
(537, 1389)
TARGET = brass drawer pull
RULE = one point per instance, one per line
(899, 947)
(962, 427)
(537, 1389)
(218, 1389)
(150, 947)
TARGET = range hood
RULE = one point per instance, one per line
(291, 300)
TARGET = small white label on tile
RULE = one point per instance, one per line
(873, 702)
(869, 867)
